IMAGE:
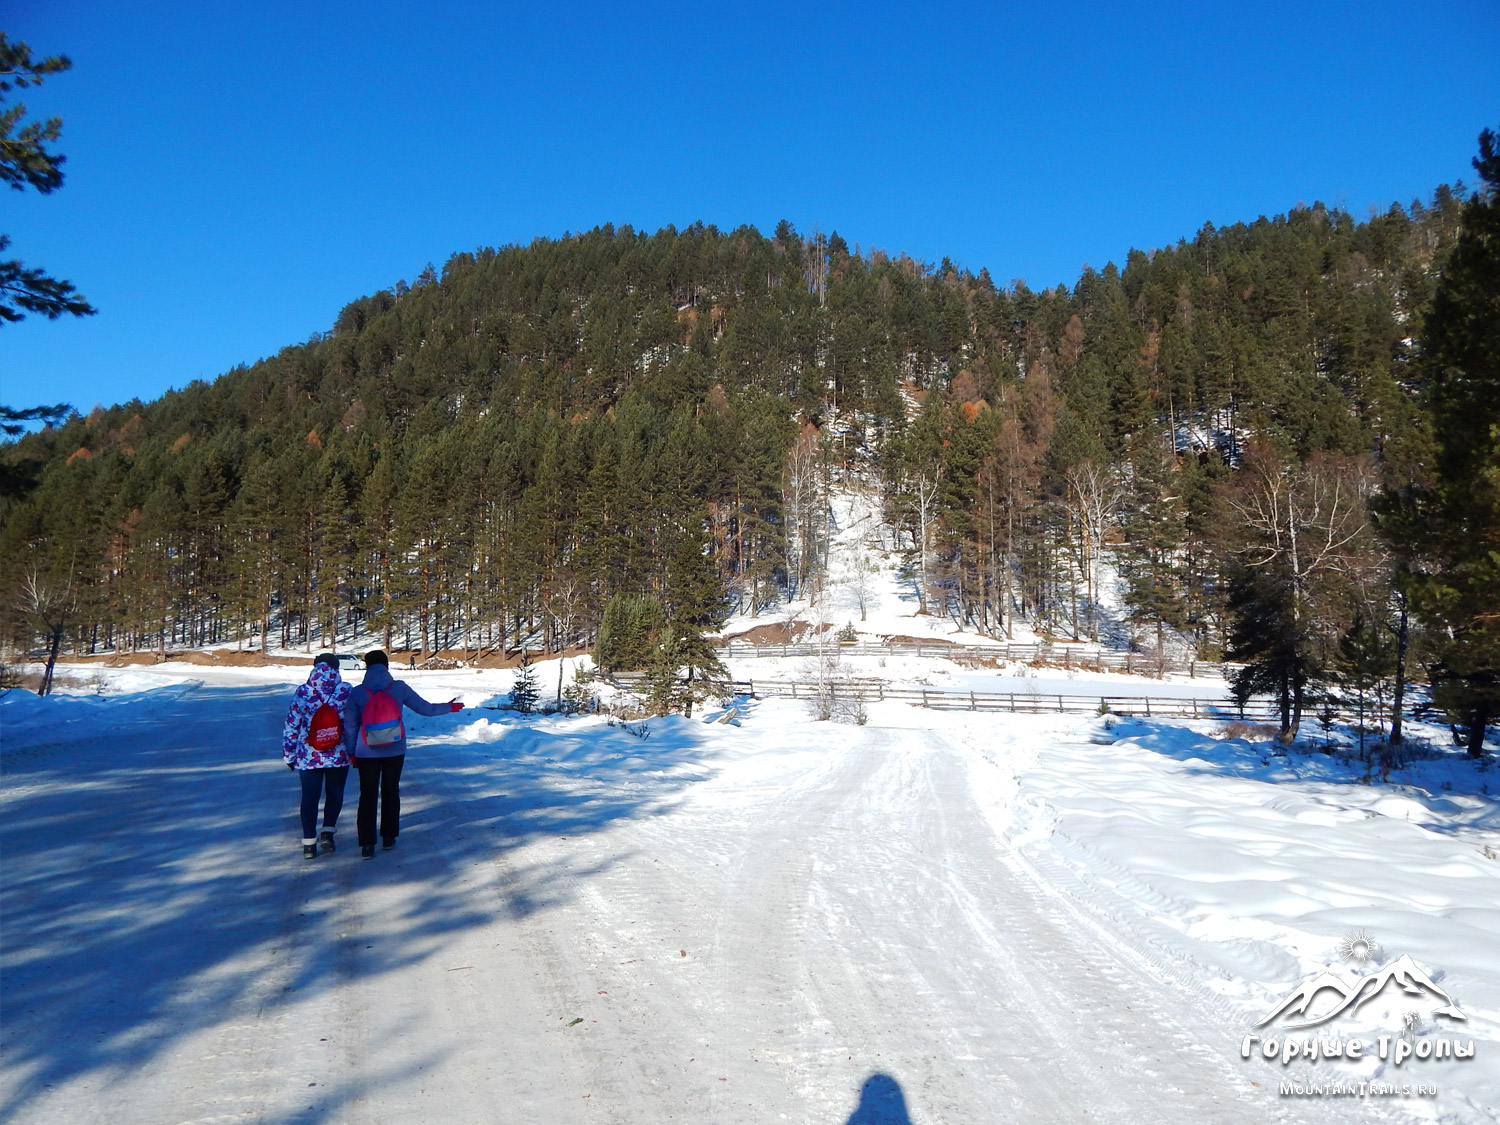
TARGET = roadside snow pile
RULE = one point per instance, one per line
(1239, 872)
(481, 730)
(28, 720)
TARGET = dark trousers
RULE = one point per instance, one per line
(380, 776)
(313, 783)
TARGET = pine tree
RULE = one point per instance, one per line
(1151, 559)
(1269, 637)
(703, 673)
(663, 685)
(26, 161)
(629, 632)
(524, 692)
(1447, 528)
(1365, 662)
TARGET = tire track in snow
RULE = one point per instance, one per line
(883, 883)
(1139, 956)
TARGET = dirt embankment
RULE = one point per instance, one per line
(214, 658)
(455, 658)
(776, 633)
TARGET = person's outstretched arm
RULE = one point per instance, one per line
(409, 698)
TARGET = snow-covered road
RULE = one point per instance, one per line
(782, 921)
(872, 888)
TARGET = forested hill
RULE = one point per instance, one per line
(495, 452)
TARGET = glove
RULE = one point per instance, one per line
(456, 705)
(291, 765)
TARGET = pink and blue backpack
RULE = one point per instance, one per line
(381, 720)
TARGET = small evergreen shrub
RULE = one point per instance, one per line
(523, 693)
(629, 633)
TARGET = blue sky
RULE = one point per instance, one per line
(236, 176)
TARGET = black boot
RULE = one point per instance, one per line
(367, 852)
(325, 839)
(309, 851)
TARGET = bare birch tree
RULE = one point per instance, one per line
(861, 573)
(1094, 494)
(924, 487)
(1303, 527)
(49, 607)
(1312, 519)
(806, 506)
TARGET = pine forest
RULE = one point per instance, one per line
(1275, 436)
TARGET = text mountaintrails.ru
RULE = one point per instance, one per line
(1357, 1090)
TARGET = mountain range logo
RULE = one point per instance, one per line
(1403, 972)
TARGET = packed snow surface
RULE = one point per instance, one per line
(934, 917)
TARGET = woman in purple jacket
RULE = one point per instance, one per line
(375, 736)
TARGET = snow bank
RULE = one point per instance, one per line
(1237, 872)
(28, 720)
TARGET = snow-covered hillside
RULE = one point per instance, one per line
(933, 917)
(869, 587)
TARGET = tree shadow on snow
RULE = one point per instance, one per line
(328, 1098)
(1268, 762)
(153, 883)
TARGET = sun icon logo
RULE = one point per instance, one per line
(1359, 947)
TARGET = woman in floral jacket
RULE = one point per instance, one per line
(319, 770)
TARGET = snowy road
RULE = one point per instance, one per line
(578, 925)
(873, 887)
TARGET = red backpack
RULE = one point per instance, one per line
(326, 730)
(381, 720)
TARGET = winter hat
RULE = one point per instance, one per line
(376, 657)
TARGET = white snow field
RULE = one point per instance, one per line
(935, 917)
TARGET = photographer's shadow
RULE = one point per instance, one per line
(881, 1102)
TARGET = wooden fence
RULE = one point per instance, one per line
(1020, 702)
(1017, 702)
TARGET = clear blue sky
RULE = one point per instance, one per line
(238, 173)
